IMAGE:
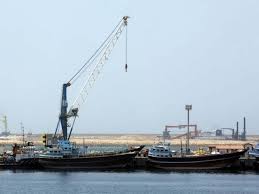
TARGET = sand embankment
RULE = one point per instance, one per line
(128, 139)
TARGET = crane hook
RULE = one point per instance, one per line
(126, 67)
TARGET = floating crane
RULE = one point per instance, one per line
(93, 67)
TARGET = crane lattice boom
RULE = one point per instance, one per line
(94, 66)
(98, 66)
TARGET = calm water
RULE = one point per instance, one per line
(127, 182)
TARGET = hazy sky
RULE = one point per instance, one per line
(203, 53)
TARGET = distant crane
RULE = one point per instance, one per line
(6, 132)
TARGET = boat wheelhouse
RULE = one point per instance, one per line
(64, 149)
(255, 152)
(161, 150)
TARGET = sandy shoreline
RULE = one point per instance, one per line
(128, 139)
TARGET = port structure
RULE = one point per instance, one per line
(220, 132)
(193, 133)
(93, 67)
(235, 133)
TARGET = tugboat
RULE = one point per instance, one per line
(65, 154)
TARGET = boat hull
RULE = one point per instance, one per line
(205, 162)
(257, 159)
(26, 163)
(102, 162)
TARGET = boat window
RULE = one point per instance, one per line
(166, 150)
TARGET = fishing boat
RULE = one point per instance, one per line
(21, 157)
(161, 157)
(67, 156)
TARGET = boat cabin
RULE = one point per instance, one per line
(255, 151)
(64, 148)
(161, 151)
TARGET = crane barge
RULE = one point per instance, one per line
(66, 155)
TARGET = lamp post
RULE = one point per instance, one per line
(188, 108)
(22, 128)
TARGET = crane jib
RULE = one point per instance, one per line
(94, 65)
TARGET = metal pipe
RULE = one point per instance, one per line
(188, 131)
(244, 132)
(188, 108)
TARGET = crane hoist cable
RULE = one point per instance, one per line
(126, 50)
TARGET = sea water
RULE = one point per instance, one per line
(127, 182)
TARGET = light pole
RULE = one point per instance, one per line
(22, 128)
(188, 108)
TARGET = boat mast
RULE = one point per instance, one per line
(188, 108)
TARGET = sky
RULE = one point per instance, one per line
(203, 53)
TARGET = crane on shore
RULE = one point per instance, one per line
(93, 67)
